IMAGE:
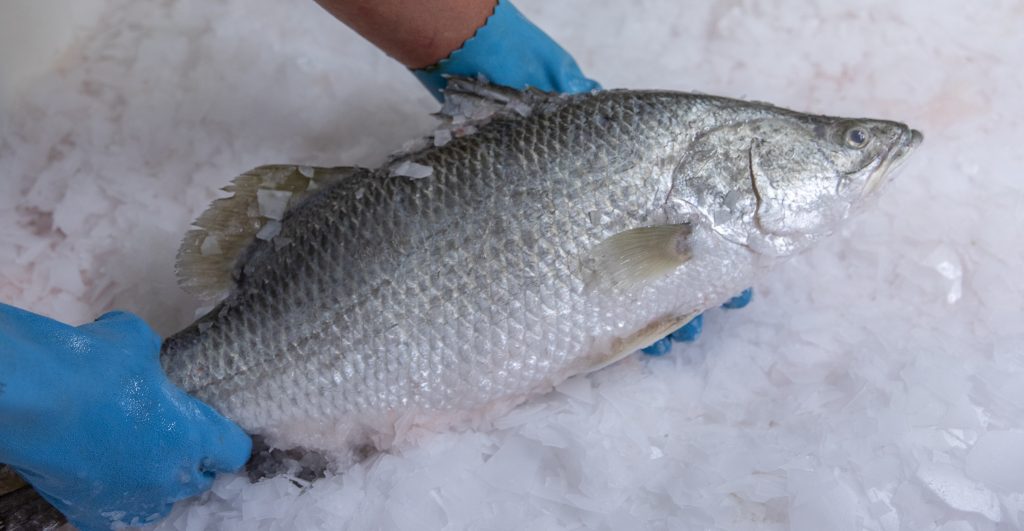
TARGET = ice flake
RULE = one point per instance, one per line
(412, 170)
(269, 230)
(442, 137)
(272, 203)
(281, 242)
(997, 460)
(948, 265)
(210, 245)
(959, 492)
(578, 387)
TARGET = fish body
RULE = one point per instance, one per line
(560, 236)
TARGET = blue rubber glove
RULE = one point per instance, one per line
(690, 331)
(510, 51)
(90, 420)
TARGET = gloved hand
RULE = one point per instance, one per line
(90, 420)
(510, 51)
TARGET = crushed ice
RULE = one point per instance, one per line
(947, 264)
(272, 203)
(269, 230)
(210, 245)
(442, 137)
(412, 170)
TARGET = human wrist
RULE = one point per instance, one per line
(417, 33)
(511, 51)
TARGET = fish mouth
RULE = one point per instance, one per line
(909, 140)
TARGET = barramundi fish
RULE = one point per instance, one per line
(533, 238)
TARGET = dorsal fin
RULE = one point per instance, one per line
(469, 104)
(474, 101)
(209, 253)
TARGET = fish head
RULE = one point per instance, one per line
(809, 176)
(781, 182)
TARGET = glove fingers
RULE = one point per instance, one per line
(199, 483)
(740, 300)
(125, 330)
(227, 447)
(689, 332)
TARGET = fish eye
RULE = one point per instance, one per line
(856, 137)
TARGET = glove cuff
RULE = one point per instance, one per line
(509, 50)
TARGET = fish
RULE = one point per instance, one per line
(531, 238)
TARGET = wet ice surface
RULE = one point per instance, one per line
(875, 383)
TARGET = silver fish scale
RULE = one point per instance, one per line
(449, 292)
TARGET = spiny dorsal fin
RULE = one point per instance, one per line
(475, 101)
(469, 104)
(631, 257)
(209, 253)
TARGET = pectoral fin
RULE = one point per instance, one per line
(638, 255)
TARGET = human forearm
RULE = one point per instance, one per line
(417, 33)
(438, 38)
